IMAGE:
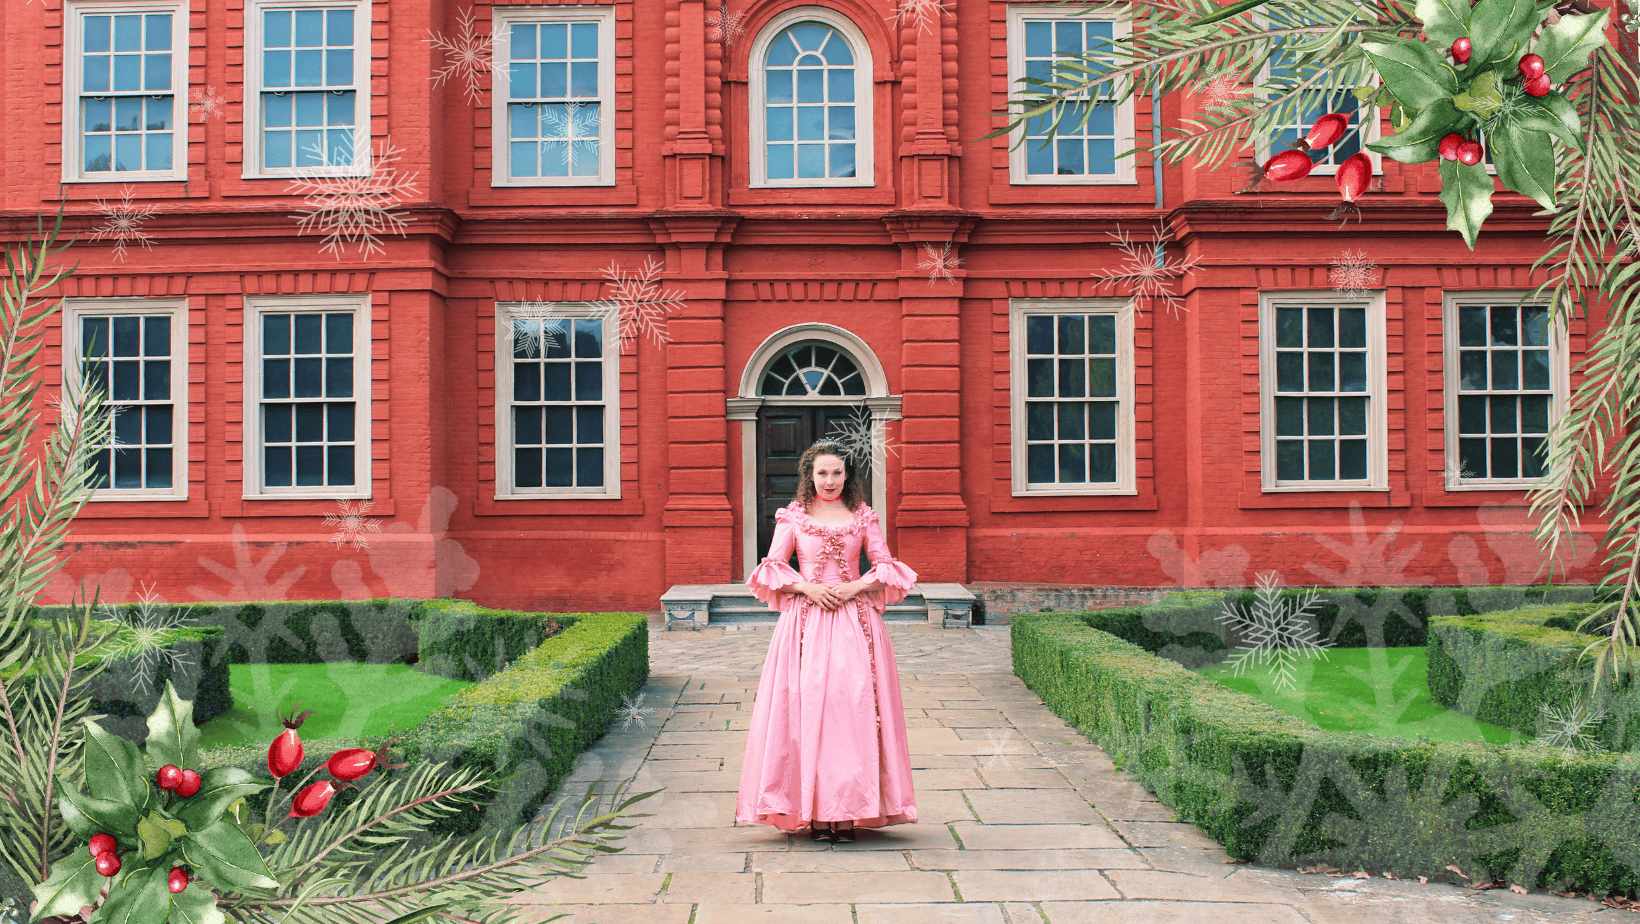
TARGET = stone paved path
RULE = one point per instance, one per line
(1022, 821)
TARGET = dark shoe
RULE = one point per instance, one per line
(823, 835)
(843, 836)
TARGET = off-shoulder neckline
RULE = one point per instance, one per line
(807, 522)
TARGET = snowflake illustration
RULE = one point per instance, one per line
(1364, 557)
(1002, 751)
(145, 637)
(925, 12)
(1351, 273)
(724, 26)
(123, 223)
(938, 264)
(1456, 473)
(639, 304)
(536, 326)
(206, 104)
(351, 523)
(1571, 726)
(354, 208)
(575, 123)
(633, 710)
(466, 55)
(1148, 269)
(247, 580)
(69, 421)
(1220, 90)
(1274, 631)
(865, 439)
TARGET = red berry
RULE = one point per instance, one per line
(1460, 50)
(352, 763)
(168, 776)
(189, 784)
(312, 800)
(1537, 86)
(1530, 66)
(1325, 131)
(1288, 165)
(101, 843)
(108, 863)
(1469, 153)
(286, 752)
(1353, 175)
(1449, 146)
(178, 879)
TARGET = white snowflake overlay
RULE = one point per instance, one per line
(466, 56)
(1002, 751)
(1275, 631)
(352, 523)
(925, 12)
(866, 440)
(724, 26)
(1220, 90)
(355, 208)
(579, 124)
(1569, 726)
(145, 636)
(207, 104)
(938, 263)
(639, 304)
(1148, 269)
(633, 710)
(1351, 273)
(1456, 473)
(123, 222)
(536, 327)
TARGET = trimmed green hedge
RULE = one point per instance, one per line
(1277, 789)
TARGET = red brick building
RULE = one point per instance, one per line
(825, 238)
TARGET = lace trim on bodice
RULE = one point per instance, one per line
(832, 541)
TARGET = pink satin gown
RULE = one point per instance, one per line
(827, 739)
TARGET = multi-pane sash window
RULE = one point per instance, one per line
(309, 407)
(1506, 380)
(125, 72)
(1323, 394)
(135, 359)
(1092, 131)
(308, 67)
(1315, 101)
(811, 102)
(1073, 400)
(561, 405)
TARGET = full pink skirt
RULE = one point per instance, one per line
(816, 750)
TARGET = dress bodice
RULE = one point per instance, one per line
(828, 553)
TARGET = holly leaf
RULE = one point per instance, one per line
(1565, 46)
(1561, 117)
(74, 883)
(219, 789)
(1413, 71)
(142, 898)
(227, 858)
(1482, 97)
(172, 737)
(1526, 163)
(113, 768)
(1420, 139)
(111, 816)
(1445, 21)
(1467, 191)
(195, 905)
(155, 837)
(1498, 29)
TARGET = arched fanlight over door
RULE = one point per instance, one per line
(812, 370)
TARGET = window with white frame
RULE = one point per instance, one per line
(1322, 391)
(1507, 380)
(125, 66)
(1071, 374)
(1315, 101)
(1091, 132)
(555, 97)
(811, 102)
(307, 87)
(137, 354)
(558, 403)
(307, 397)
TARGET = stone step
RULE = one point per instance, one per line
(693, 605)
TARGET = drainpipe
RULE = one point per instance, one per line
(1156, 163)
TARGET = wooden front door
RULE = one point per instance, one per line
(783, 433)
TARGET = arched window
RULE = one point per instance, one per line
(811, 102)
(812, 369)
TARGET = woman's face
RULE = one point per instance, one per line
(828, 477)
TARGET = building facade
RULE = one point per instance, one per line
(538, 303)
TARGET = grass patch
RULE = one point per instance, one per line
(349, 700)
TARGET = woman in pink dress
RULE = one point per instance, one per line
(827, 745)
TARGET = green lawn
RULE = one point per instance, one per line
(1381, 691)
(347, 700)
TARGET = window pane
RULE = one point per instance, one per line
(276, 466)
(1532, 459)
(1321, 327)
(527, 468)
(1102, 377)
(1039, 374)
(1352, 416)
(156, 380)
(1072, 421)
(1352, 460)
(1290, 371)
(1472, 326)
(1102, 463)
(779, 123)
(1072, 378)
(560, 465)
(338, 333)
(1321, 372)
(339, 377)
(1290, 460)
(555, 382)
(1503, 415)
(308, 378)
(308, 333)
(1039, 465)
(310, 466)
(100, 465)
(1505, 458)
(1289, 416)
(1352, 371)
(1073, 463)
(1319, 412)
(1534, 414)
(310, 423)
(94, 336)
(589, 425)
(159, 468)
(527, 425)
(1072, 338)
(1535, 365)
(1472, 458)
(1535, 325)
(589, 381)
(589, 467)
(341, 464)
(527, 381)
(157, 425)
(1352, 328)
(1102, 420)
(1471, 415)
(1472, 370)
(1322, 466)
(128, 426)
(127, 336)
(1505, 370)
(276, 423)
(339, 422)
(127, 468)
(156, 336)
(127, 381)
(1039, 417)
(1039, 334)
(1503, 326)
(1102, 333)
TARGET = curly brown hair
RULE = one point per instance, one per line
(854, 490)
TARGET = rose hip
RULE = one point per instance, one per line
(189, 785)
(178, 879)
(1449, 146)
(1325, 131)
(1470, 153)
(352, 763)
(286, 752)
(312, 799)
(168, 776)
(1288, 165)
(108, 863)
(1530, 66)
(1537, 86)
(1460, 50)
(1353, 176)
(101, 844)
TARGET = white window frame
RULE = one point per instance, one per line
(505, 488)
(1122, 308)
(252, 121)
(500, 133)
(1560, 379)
(865, 112)
(74, 309)
(73, 72)
(251, 441)
(1126, 168)
(1377, 388)
(1368, 115)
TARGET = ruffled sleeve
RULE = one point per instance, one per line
(774, 573)
(898, 576)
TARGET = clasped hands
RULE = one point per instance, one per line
(830, 596)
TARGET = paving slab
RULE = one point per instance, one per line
(833, 861)
(716, 888)
(1032, 806)
(911, 886)
(965, 913)
(1027, 859)
(1155, 884)
(605, 914)
(1015, 885)
(1036, 837)
(1170, 912)
(772, 914)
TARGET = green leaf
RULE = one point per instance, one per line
(172, 737)
(1565, 46)
(275, 837)
(420, 914)
(1445, 21)
(113, 767)
(155, 837)
(195, 905)
(1482, 97)
(1413, 71)
(1561, 113)
(219, 788)
(76, 819)
(143, 897)
(1467, 191)
(1420, 140)
(1526, 163)
(74, 883)
(227, 858)
(1498, 29)
(105, 815)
